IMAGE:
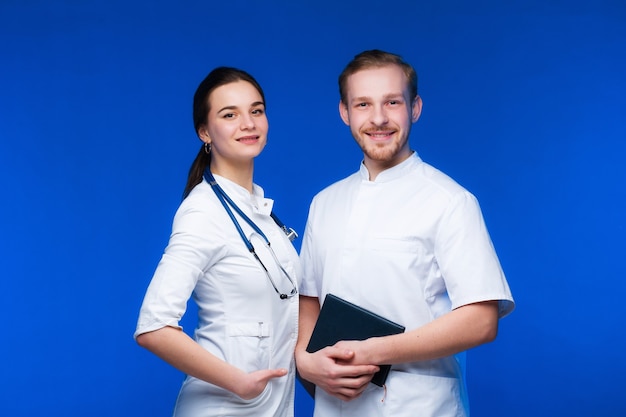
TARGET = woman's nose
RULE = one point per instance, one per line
(247, 121)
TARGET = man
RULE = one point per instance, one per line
(405, 241)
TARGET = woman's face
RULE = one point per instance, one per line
(236, 124)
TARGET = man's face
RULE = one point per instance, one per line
(380, 113)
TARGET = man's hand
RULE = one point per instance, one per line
(330, 370)
(360, 352)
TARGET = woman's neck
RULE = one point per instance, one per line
(239, 174)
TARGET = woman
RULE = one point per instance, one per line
(231, 254)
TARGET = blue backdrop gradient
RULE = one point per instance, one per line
(524, 105)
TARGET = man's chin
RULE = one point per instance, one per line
(381, 153)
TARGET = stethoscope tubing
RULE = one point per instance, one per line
(226, 202)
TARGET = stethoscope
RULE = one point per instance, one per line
(291, 234)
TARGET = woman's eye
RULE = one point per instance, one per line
(228, 115)
(258, 111)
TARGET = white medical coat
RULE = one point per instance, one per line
(411, 246)
(240, 317)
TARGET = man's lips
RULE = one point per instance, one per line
(380, 134)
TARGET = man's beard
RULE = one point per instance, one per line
(382, 152)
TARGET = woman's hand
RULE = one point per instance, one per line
(177, 348)
(253, 384)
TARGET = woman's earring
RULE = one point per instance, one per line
(207, 148)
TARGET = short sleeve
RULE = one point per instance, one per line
(467, 258)
(311, 273)
(189, 253)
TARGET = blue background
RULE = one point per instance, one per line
(523, 105)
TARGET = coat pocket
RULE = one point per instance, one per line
(249, 345)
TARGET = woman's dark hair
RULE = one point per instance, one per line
(218, 77)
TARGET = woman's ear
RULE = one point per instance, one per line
(203, 134)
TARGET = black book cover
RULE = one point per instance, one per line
(341, 320)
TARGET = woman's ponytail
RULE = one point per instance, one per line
(196, 171)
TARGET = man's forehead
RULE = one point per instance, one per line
(378, 81)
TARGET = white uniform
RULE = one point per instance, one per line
(241, 319)
(411, 246)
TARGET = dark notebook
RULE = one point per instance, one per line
(342, 320)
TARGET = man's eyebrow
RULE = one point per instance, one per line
(393, 95)
(389, 96)
(362, 98)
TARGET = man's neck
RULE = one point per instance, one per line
(374, 167)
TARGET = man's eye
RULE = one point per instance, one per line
(361, 105)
